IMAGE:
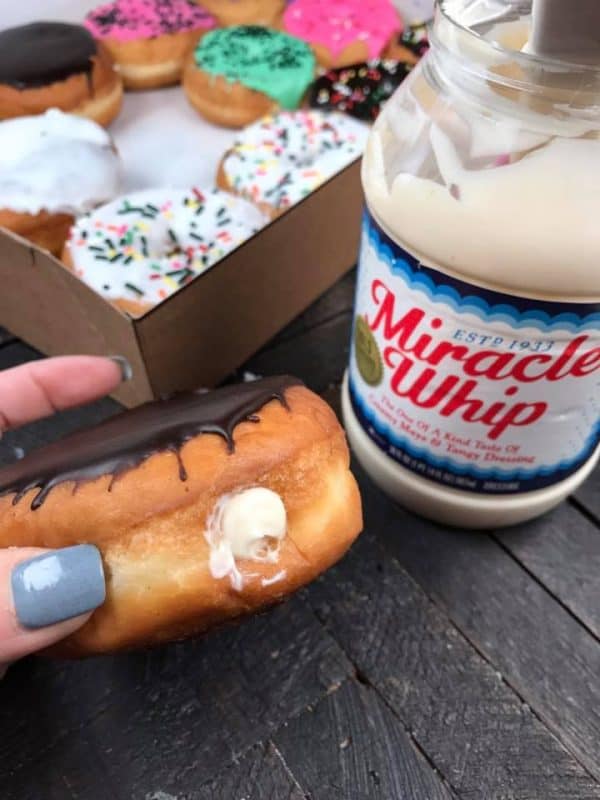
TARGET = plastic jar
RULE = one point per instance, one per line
(473, 392)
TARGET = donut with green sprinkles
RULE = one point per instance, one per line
(280, 159)
(139, 249)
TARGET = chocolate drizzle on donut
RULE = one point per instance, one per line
(123, 442)
(44, 52)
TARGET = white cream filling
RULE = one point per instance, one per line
(246, 525)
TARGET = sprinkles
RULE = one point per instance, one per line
(282, 158)
(360, 90)
(126, 20)
(146, 246)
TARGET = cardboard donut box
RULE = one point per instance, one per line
(201, 333)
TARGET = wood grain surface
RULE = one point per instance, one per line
(430, 664)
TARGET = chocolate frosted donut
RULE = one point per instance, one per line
(44, 52)
(360, 89)
(410, 45)
(204, 507)
(126, 440)
(56, 65)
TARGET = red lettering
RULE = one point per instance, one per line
(554, 373)
(451, 396)
(475, 364)
(404, 327)
(415, 392)
(519, 373)
(461, 398)
(533, 412)
(587, 363)
(443, 349)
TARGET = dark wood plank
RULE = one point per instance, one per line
(562, 550)
(545, 654)
(172, 717)
(588, 495)
(318, 356)
(75, 774)
(64, 778)
(260, 774)
(352, 747)
(338, 300)
(473, 727)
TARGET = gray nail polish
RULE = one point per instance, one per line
(124, 366)
(58, 585)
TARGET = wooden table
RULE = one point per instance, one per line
(429, 664)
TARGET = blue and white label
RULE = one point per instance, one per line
(471, 388)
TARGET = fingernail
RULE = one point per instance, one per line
(124, 366)
(58, 585)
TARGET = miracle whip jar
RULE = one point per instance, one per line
(473, 393)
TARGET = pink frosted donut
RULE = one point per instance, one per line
(149, 39)
(127, 20)
(343, 32)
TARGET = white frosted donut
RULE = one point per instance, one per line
(280, 159)
(57, 163)
(143, 247)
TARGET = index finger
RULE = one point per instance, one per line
(40, 388)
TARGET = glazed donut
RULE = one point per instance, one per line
(205, 507)
(149, 39)
(360, 90)
(53, 166)
(410, 45)
(245, 12)
(343, 32)
(55, 65)
(237, 75)
(281, 159)
(139, 249)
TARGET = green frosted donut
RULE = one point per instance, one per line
(274, 63)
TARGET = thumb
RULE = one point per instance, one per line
(45, 595)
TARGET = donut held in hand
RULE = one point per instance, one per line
(149, 39)
(205, 507)
(56, 65)
(239, 74)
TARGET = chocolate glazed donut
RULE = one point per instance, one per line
(123, 442)
(44, 52)
(55, 64)
(205, 507)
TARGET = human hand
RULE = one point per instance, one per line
(47, 594)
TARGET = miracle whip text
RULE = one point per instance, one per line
(473, 391)
(471, 388)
